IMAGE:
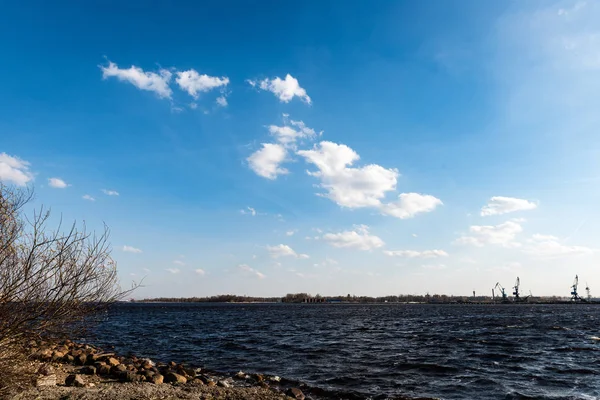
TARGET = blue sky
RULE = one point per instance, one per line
(326, 147)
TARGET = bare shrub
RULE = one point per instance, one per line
(50, 280)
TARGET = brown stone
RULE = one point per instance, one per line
(75, 380)
(157, 379)
(172, 377)
(112, 361)
(295, 393)
(81, 359)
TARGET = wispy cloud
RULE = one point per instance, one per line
(57, 183)
(110, 192)
(88, 197)
(150, 81)
(245, 268)
(284, 89)
(130, 249)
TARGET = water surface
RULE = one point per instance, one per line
(447, 351)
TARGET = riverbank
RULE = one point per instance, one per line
(73, 371)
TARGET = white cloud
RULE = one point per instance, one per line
(130, 249)
(411, 204)
(288, 135)
(222, 101)
(151, 81)
(88, 197)
(283, 250)
(173, 270)
(291, 233)
(57, 183)
(193, 83)
(284, 89)
(200, 272)
(434, 266)
(547, 246)
(416, 254)
(249, 270)
(248, 211)
(14, 170)
(110, 192)
(502, 205)
(502, 234)
(179, 262)
(539, 237)
(265, 162)
(349, 187)
(359, 239)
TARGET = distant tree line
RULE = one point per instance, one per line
(308, 298)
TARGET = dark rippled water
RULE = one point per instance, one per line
(446, 351)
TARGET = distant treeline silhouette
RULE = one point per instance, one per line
(307, 298)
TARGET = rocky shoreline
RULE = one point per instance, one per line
(75, 371)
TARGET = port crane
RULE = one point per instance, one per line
(574, 295)
(588, 292)
(502, 291)
(516, 289)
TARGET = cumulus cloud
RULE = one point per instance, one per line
(222, 101)
(110, 192)
(347, 186)
(245, 268)
(359, 238)
(88, 197)
(200, 272)
(410, 204)
(547, 246)
(131, 249)
(248, 211)
(502, 234)
(266, 161)
(173, 270)
(151, 81)
(193, 83)
(57, 183)
(502, 205)
(416, 254)
(284, 89)
(289, 134)
(283, 250)
(14, 170)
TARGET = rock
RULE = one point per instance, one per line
(157, 379)
(75, 380)
(118, 369)
(46, 380)
(112, 361)
(69, 358)
(91, 359)
(172, 364)
(102, 369)
(211, 383)
(89, 370)
(295, 393)
(57, 355)
(129, 376)
(46, 370)
(224, 384)
(197, 382)
(44, 355)
(81, 359)
(172, 377)
(241, 375)
(275, 379)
